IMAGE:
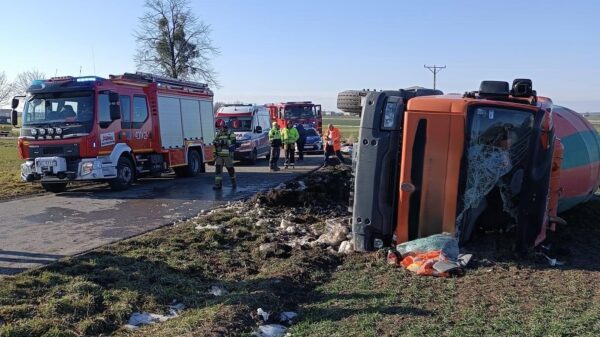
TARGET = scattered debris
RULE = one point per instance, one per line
(287, 317)
(138, 319)
(435, 255)
(217, 291)
(274, 249)
(263, 314)
(346, 247)
(209, 227)
(270, 330)
(262, 223)
(551, 261)
(335, 232)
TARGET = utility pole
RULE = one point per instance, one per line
(434, 69)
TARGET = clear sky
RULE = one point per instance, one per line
(274, 50)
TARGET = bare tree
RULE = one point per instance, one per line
(6, 89)
(24, 79)
(217, 105)
(172, 41)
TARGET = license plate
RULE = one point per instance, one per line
(46, 163)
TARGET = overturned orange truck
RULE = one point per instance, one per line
(499, 158)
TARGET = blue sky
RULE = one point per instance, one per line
(310, 50)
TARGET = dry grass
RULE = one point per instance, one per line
(10, 181)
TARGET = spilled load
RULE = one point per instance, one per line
(498, 158)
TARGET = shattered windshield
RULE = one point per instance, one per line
(497, 144)
(66, 108)
(299, 112)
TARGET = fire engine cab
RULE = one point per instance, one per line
(305, 113)
(115, 130)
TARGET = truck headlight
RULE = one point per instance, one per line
(34, 132)
(58, 131)
(87, 168)
(42, 132)
(50, 131)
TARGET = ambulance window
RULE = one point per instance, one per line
(103, 111)
(140, 111)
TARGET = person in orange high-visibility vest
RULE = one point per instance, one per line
(333, 143)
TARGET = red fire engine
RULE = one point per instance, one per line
(305, 113)
(114, 130)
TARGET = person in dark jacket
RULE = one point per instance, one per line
(301, 141)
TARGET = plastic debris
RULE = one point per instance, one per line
(335, 232)
(552, 262)
(217, 291)
(435, 255)
(208, 227)
(270, 330)
(287, 317)
(138, 319)
(263, 314)
(346, 247)
(445, 243)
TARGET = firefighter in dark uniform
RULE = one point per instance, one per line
(224, 148)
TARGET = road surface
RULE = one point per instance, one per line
(42, 229)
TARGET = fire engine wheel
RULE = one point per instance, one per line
(125, 175)
(54, 187)
(194, 167)
(350, 101)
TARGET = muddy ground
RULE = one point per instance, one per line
(280, 251)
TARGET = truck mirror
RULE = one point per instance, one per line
(258, 129)
(14, 117)
(15, 103)
(115, 112)
(113, 97)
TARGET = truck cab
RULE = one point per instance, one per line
(429, 164)
(251, 125)
(305, 113)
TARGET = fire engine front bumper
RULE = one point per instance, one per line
(56, 169)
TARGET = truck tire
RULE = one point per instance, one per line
(54, 187)
(125, 175)
(349, 101)
(194, 167)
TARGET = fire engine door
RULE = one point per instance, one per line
(135, 122)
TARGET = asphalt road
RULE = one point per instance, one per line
(39, 230)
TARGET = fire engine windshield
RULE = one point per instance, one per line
(66, 108)
(497, 146)
(239, 124)
(299, 112)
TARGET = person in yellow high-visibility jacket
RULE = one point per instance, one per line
(289, 135)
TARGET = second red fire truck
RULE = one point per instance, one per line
(305, 113)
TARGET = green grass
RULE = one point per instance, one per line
(10, 164)
(360, 295)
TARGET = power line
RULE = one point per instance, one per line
(434, 69)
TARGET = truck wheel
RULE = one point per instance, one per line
(194, 167)
(54, 187)
(350, 101)
(125, 175)
(195, 164)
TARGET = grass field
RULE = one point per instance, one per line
(10, 182)
(360, 295)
